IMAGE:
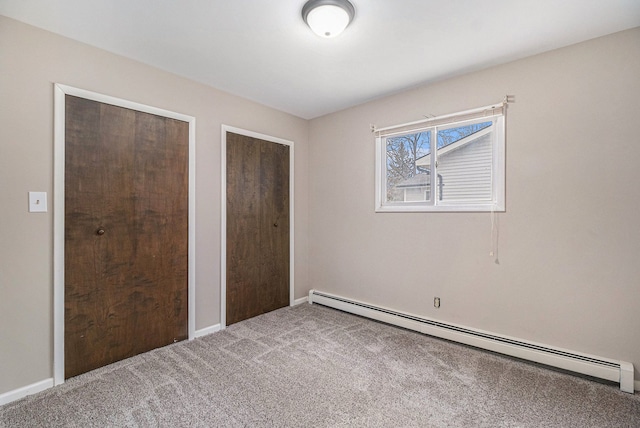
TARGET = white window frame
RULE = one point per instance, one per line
(497, 204)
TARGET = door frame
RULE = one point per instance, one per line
(60, 91)
(223, 207)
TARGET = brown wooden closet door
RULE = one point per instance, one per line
(257, 227)
(126, 233)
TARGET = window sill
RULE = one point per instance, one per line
(421, 208)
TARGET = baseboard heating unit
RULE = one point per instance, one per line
(602, 368)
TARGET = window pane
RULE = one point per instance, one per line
(407, 174)
(465, 159)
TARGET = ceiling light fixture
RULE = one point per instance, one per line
(328, 18)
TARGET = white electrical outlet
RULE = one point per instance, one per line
(436, 302)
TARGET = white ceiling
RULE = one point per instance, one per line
(263, 51)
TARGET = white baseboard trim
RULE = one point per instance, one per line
(19, 393)
(207, 330)
(300, 301)
(636, 385)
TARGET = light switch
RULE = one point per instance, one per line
(37, 202)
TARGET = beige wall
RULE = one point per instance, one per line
(569, 242)
(31, 60)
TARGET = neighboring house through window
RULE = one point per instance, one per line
(465, 172)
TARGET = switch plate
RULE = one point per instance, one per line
(37, 202)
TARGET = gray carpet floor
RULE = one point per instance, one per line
(311, 366)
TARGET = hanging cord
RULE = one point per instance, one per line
(495, 232)
(495, 223)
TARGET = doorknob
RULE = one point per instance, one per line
(100, 231)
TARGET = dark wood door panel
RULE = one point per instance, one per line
(243, 210)
(126, 173)
(273, 291)
(257, 227)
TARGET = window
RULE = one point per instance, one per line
(450, 163)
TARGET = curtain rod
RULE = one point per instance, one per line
(507, 99)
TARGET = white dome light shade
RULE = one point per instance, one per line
(328, 21)
(328, 18)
